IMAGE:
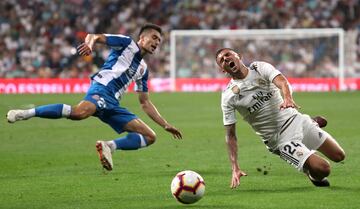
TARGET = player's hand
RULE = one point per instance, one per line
(84, 50)
(174, 131)
(289, 103)
(236, 175)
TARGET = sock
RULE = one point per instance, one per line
(132, 141)
(53, 111)
(29, 113)
(112, 145)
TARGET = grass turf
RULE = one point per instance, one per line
(53, 163)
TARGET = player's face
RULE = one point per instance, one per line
(229, 62)
(150, 40)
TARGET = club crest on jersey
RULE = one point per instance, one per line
(254, 67)
(299, 153)
(261, 82)
(100, 101)
(235, 90)
(96, 97)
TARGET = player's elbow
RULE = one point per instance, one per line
(143, 106)
(101, 38)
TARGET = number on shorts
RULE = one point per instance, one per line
(290, 149)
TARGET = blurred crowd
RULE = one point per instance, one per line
(38, 38)
(309, 57)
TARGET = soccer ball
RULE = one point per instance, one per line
(188, 187)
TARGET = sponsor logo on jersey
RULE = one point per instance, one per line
(260, 99)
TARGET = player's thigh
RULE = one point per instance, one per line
(316, 138)
(95, 99)
(83, 110)
(331, 149)
(313, 136)
(139, 126)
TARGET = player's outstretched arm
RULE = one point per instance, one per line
(231, 141)
(282, 83)
(154, 114)
(86, 48)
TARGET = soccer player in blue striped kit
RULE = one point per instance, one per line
(124, 65)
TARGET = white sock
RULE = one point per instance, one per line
(142, 141)
(29, 113)
(66, 111)
(112, 145)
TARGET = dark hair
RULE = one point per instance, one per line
(222, 49)
(148, 26)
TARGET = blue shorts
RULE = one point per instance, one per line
(108, 108)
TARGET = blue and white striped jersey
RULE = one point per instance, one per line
(123, 66)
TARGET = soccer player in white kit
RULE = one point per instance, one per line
(263, 97)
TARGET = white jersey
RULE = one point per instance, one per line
(123, 66)
(257, 100)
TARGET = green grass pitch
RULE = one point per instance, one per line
(53, 163)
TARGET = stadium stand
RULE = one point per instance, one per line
(38, 37)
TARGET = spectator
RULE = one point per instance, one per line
(39, 36)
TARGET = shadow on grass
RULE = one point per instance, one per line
(203, 206)
(278, 190)
(286, 190)
(345, 189)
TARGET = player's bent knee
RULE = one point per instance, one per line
(321, 170)
(82, 111)
(318, 167)
(325, 169)
(79, 114)
(150, 138)
(339, 156)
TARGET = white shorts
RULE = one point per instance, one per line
(297, 139)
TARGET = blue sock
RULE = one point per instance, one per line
(132, 141)
(53, 111)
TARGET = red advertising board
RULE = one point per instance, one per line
(63, 86)
(200, 85)
(43, 86)
(297, 84)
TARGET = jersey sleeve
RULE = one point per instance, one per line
(228, 110)
(141, 84)
(268, 71)
(117, 40)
